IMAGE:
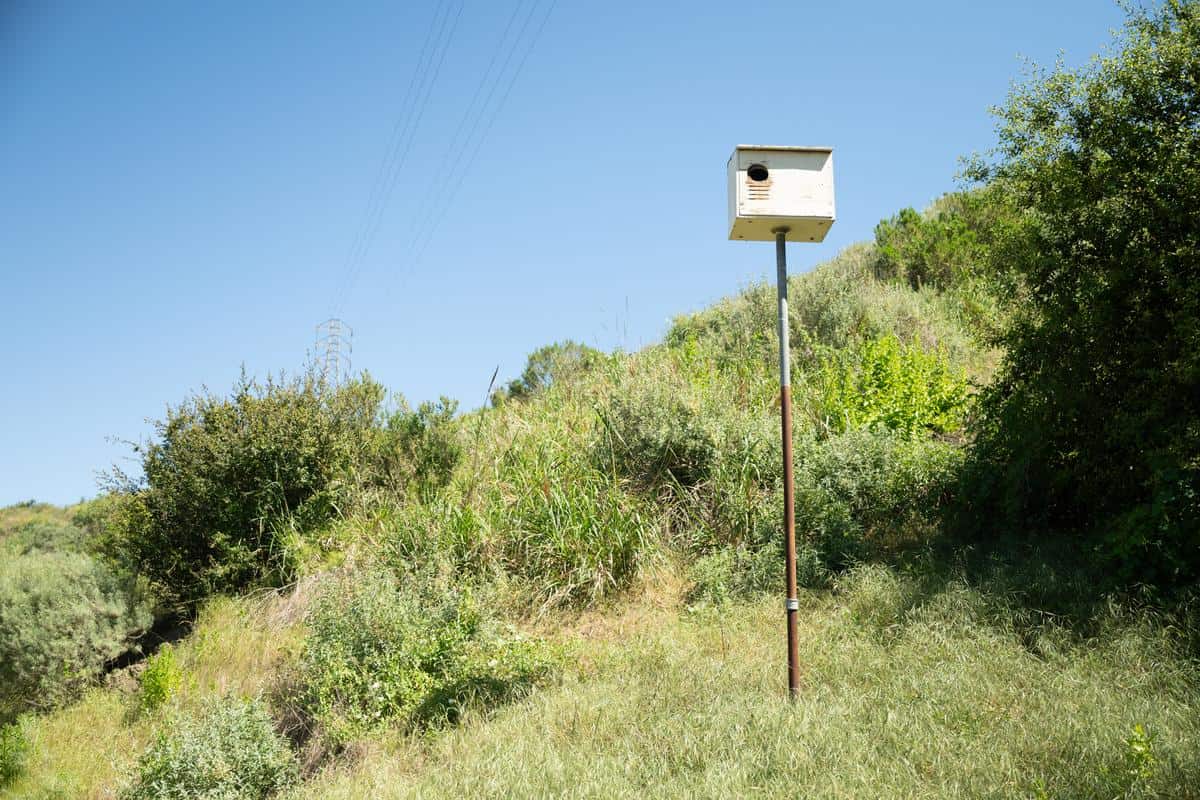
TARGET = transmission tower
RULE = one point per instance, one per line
(333, 348)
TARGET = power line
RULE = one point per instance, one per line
(422, 240)
(452, 147)
(424, 78)
(392, 147)
(403, 147)
(458, 164)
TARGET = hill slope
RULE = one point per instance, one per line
(622, 510)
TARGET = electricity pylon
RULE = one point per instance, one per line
(331, 356)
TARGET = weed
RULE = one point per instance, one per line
(229, 751)
(14, 751)
(159, 680)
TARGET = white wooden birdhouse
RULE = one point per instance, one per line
(780, 187)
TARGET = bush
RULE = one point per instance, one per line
(227, 480)
(62, 617)
(418, 450)
(571, 533)
(1091, 429)
(838, 305)
(865, 492)
(946, 246)
(548, 365)
(380, 652)
(885, 385)
(230, 751)
(43, 537)
(14, 750)
(159, 679)
(655, 438)
(442, 533)
(741, 503)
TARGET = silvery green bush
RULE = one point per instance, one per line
(230, 751)
(63, 615)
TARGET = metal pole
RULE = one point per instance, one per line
(789, 512)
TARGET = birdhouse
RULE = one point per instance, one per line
(780, 187)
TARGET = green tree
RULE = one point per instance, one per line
(1092, 428)
(554, 362)
(948, 244)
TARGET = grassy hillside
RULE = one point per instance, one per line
(911, 690)
(636, 546)
(318, 591)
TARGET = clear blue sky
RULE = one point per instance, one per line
(181, 184)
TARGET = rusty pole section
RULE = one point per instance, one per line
(789, 511)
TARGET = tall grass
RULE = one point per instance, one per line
(906, 694)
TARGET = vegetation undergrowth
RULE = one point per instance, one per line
(231, 751)
(909, 690)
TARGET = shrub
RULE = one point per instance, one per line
(62, 617)
(380, 651)
(655, 438)
(159, 679)
(838, 305)
(14, 750)
(548, 365)
(418, 450)
(741, 503)
(230, 751)
(441, 535)
(43, 537)
(947, 245)
(1090, 431)
(886, 385)
(223, 472)
(867, 492)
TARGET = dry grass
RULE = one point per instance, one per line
(18, 516)
(81, 751)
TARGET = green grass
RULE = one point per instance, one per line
(940, 699)
(913, 686)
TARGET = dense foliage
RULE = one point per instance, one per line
(382, 651)
(159, 679)
(871, 493)
(63, 616)
(14, 751)
(230, 751)
(947, 246)
(418, 449)
(560, 361)
(228, 481)
(885, 385)
(1092, 430)
(654, 437)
